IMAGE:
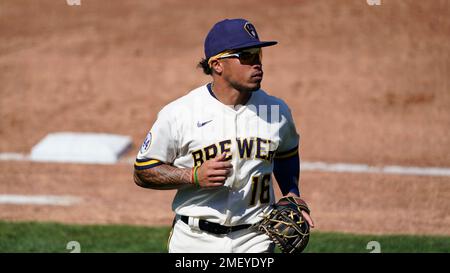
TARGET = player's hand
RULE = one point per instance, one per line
(214, 172)
(308, 218)
(305, 214)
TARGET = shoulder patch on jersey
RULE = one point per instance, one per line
(147, 142)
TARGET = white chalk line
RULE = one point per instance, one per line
(54, 200)
(362, 168)
(313, 166)
(13, 156)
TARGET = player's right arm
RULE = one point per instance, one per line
(163, 177)
(153, 168)
(212, 173)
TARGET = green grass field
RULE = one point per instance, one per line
(52, 237)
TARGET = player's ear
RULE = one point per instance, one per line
(217, 67)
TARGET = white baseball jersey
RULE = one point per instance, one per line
(198, 127)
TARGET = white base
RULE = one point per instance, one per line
(81, 148)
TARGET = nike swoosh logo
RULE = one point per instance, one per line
(201, 124)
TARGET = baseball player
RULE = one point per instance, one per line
(219, 145)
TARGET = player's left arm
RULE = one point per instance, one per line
(286, 168)
(287, 173)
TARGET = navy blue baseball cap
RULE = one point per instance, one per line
(232, 34)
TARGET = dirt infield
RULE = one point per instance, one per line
(366, 84)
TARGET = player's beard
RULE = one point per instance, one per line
(247, 88)
(258, 86)
(252, 86)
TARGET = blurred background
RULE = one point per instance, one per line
(367, 84)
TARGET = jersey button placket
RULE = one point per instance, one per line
(234, 161)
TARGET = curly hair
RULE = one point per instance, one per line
(203, 64)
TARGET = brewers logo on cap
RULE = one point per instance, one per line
(251, 30)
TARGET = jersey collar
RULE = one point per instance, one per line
(209, 87)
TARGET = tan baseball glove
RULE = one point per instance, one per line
(286, 226)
